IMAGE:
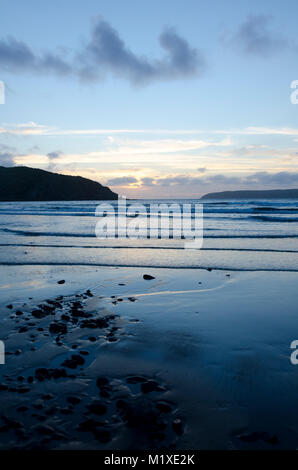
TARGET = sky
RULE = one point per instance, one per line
(155, 99)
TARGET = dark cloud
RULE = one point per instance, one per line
(122, 181)
(16, 56)
(282, 178)
(105, 53)
(6, 159)
(53, 158)
(255, 37)
(257, 180)
(7, 155)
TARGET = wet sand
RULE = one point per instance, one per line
(190, 359)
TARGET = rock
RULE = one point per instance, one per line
(58, 328)
(148, 277)
(178, 426)
(23, 329)
(89, 425)
(75, 361)
(84, 353)
(97, 408)
(151, 386)
(47, 396)
(135, 379)
(65, 317)
(18, 312)
(39, 313)
(9, 306)
(102, 435)
(62, 281)
(22, 409)
(163, 407)
(73, 400)
(102, 382)
(209, 269)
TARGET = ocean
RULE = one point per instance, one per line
(237, 235)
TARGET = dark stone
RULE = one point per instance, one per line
(75, 361)
(23, 329)
(151, 386)
(92, 339)
(73, 400)
(18, 312)
(39, 313)
(102, 435)
(58, 328)
(62, 281)
(9, 306)
(22, 409)
(84, 353)
(102, 382)
(163, 407)
(97, 408)
(135, 379)
(148, 277)
(47, 396)
(178, 426)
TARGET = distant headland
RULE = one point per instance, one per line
(252, 194)
(22, 183)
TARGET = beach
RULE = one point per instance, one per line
(99, 357)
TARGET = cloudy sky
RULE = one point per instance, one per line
(164, 98)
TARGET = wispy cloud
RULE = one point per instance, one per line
(35, 129)
(256, 38)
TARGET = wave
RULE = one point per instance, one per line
(268, 218)
(92, 235)
(126, 247)
(150, 266)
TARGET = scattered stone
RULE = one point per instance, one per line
(62, 281)
(9, 306)
(148, 277)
